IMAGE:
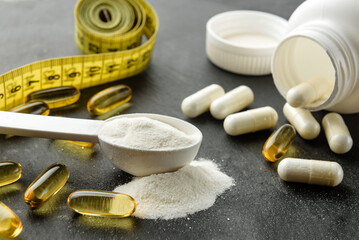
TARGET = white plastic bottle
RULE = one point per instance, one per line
(322, 42)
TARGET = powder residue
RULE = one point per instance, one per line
(145, 133)
(190, 189)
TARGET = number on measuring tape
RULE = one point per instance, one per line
(114, 54)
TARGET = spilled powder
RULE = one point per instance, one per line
(192, 188)
(145, 133)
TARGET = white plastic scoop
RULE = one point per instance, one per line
(138, 162)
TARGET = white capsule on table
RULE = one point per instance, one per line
(303, 121)
(199, 102)
(307, 92)
(233, 101)
(250, 121)
(337, 133)
(309, 171)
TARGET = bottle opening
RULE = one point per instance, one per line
(303, 72)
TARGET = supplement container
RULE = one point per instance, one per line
(243, 41)
(322, 42)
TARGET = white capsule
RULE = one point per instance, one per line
(199, 102)
(310, 171)
(307, 92)
(303, 121)
(250, 121)
(233, 101)
(337, 133)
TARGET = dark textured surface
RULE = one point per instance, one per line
(260, 206)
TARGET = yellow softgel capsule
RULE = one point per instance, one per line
(46, 184)
(9, 172)
(279, 142)
(39, 108)
(102, 203)
(83, 144)
(109, 99)
(10, 224)
(55, 97)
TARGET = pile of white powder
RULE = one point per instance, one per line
(190, 189)
(145, 133)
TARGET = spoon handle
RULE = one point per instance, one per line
(31, 125)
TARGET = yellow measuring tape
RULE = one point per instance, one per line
(114, 28)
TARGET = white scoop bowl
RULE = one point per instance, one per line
(138, 162)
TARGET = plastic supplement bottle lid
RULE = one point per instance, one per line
(243, 41)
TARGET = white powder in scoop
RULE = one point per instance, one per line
(145, 133)
(190, 189)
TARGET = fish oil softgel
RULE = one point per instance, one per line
(39, 108)
(55, 97)
(233, 101)
(279, 142)
(83, 144)
(200, 102)
(108, 99)
(317, 172)
(101, 203)
(250, 121)
(10, 223)
(9, 172)
(46, 184)
(337, 133)
(303, 121)
(307, 92)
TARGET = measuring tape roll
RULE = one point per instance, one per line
(114, 28)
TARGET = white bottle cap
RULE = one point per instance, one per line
(243, 41)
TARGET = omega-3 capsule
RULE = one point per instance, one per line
(10, 223)
(83, 144)
(39, 108)
(101, 203)
(279, 142)
(55, 97)
(109, 99)
(46, 184)
(9, 172)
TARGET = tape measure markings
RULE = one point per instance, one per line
(86, 70)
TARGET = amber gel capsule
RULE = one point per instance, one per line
(46, 184)
(279, 142)
(102, 203)
(10, 224)
(9, 172)
(83, 144)
(39, 108)
(109, 99)
(55, 97)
